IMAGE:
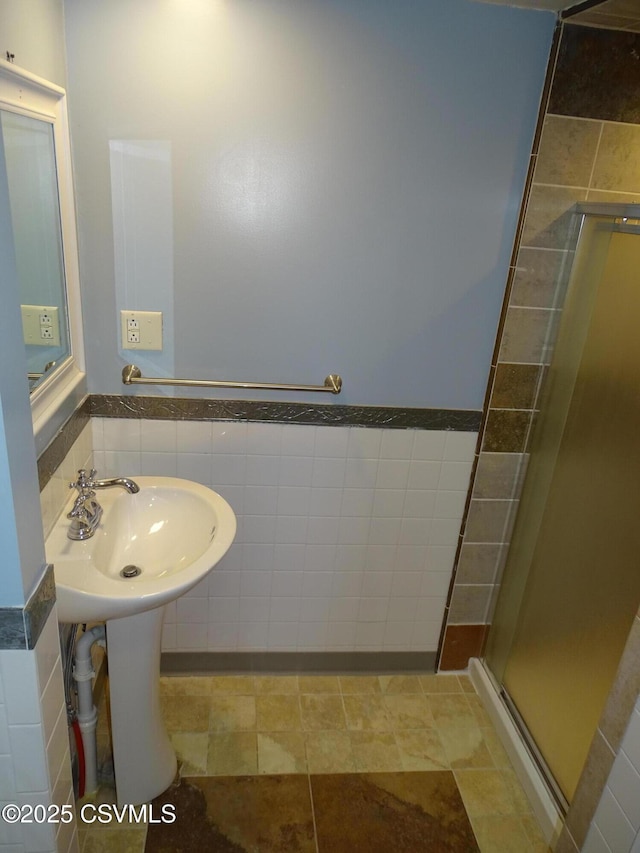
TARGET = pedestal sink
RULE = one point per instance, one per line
(167, 538)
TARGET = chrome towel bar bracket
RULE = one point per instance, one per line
(132, 375)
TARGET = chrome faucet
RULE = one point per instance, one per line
(125, 482)
(87, 512)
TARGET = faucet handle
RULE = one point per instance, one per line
(84, 482)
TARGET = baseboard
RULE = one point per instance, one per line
(203, 663)
(543, 805)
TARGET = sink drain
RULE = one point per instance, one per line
(130, 572)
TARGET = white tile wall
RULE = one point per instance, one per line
(34, 746)
(616, 824)
(346, 535)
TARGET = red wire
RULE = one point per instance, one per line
(81, 766)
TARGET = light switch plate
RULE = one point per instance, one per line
(141, 329)
(41, 325)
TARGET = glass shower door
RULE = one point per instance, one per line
(571, 586)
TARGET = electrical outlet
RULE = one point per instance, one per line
(141, 330)
(41, 325)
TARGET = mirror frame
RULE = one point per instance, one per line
(24, 93)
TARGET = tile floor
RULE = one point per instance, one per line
(364, 734)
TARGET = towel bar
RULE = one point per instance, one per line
(132, 375)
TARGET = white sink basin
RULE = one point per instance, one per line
(174, 531)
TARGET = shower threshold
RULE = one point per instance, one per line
(535, 784)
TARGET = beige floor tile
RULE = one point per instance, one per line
(408, 711)
(106, 795)
(232, 713)
(318, 684)
(521, 802)
(366, 713)
(534, 834)
(465, 683)
(500, 835)
(464, 743)
(450, 707)
(232, 754)
(359, 684)
(478, 711)
(375, 752)
(115, 841)
(495, 747)
(440, 684)
(278, 713)
(206, 685)
(485, 793)
(281, 752)
(400, 683)
(421, 749)
(322, 712)
(288, 724)
(182, 716)
(177, 685)
(329, 752)
(281, 685)
(239, 685)
(191, 750)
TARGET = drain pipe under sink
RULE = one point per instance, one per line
(83, 674)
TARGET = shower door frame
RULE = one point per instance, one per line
(616, 215)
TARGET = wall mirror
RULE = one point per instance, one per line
(35, 154)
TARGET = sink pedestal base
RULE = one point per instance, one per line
(144, 761)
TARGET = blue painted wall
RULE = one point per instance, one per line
(346, 177)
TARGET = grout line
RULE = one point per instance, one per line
(313, 811)
(595, 159)
(562, 187)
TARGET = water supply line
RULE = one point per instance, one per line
(83, 673)
(77, 736)
(68, 644)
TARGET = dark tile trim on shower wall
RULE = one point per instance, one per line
(175, 408)
(461, 643)
(585, 6)
(593, 75)
(507, 413)
(600, 89)
(597, 75)
(515, 385)
(20, 627)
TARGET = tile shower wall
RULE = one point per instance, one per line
(579, 158)
(616, 823)
(346, 536)
(588, 151)
(34, 749)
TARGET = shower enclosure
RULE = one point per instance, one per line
(571, 584)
